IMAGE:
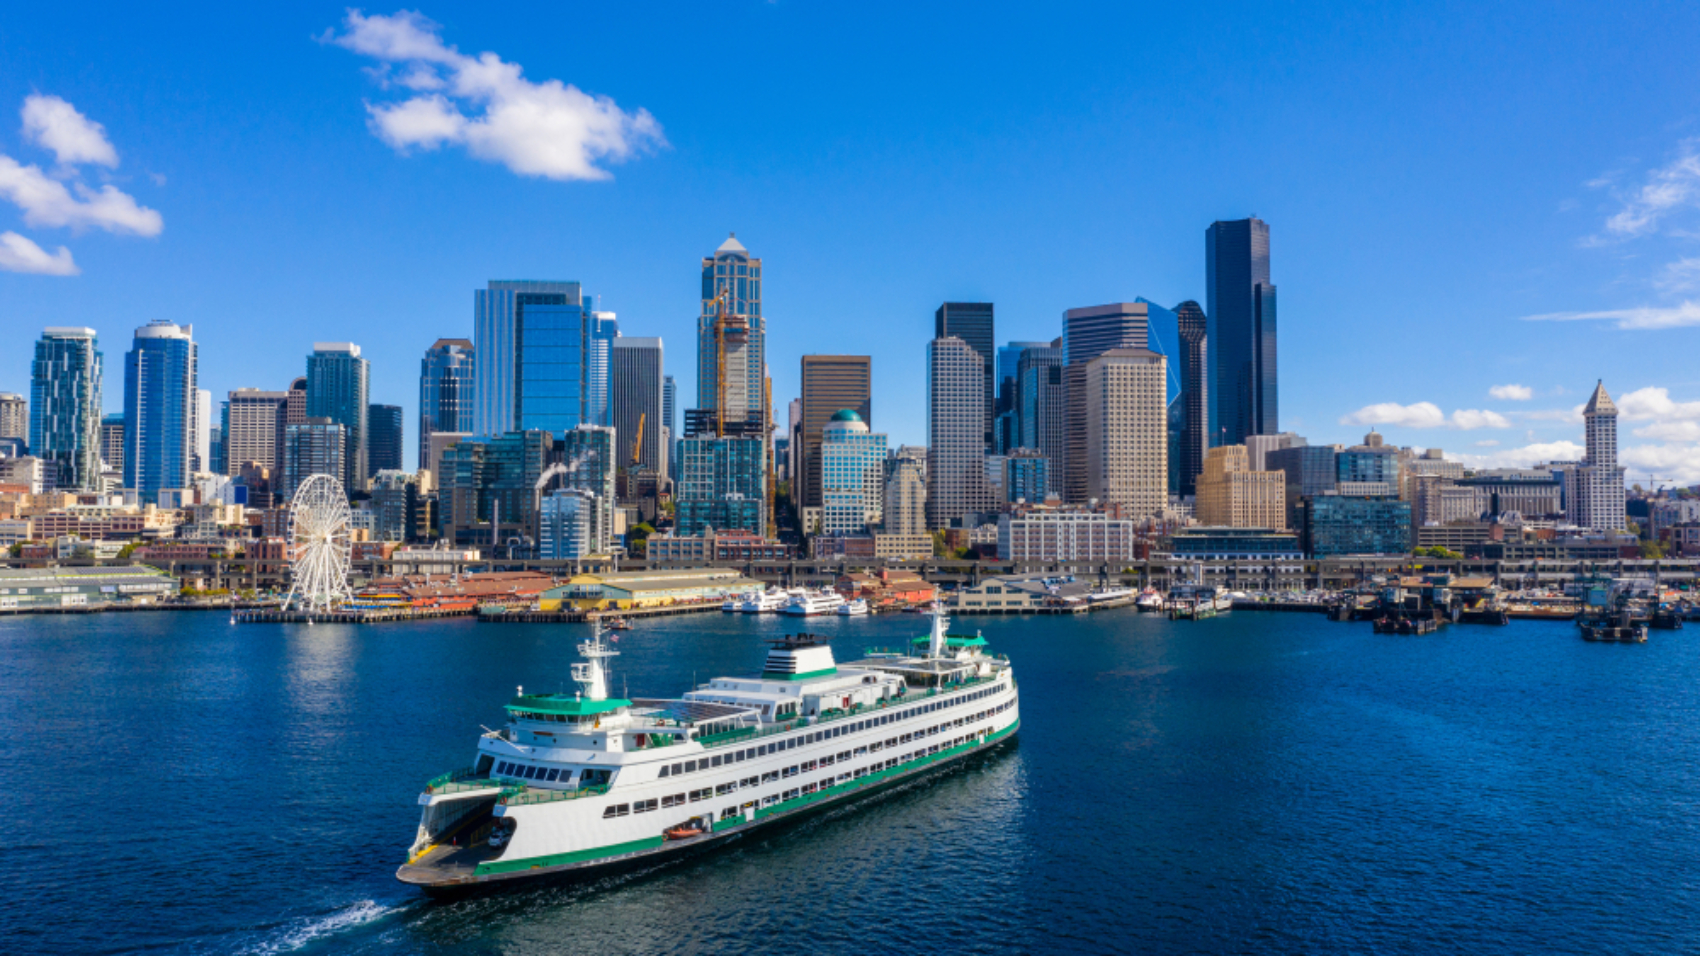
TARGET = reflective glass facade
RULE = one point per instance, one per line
(496, 334)
(159, 410)
(722, 485)
(731, 268)
(65, 398)
(338, 384)
(1241, 330)
(446, 392)
(550, 377)
(1337, 525)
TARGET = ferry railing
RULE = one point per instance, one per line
(524, 796)
(459, 781)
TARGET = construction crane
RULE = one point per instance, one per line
(722, 304)
(637, 443)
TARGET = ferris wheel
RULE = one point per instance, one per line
(318, 544)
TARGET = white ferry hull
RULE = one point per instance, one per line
(433, 882)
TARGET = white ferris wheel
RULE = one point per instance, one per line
(318, 544)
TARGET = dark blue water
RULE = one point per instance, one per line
(1258, 783)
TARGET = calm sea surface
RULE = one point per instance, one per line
(171, 783)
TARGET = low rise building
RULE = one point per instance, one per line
(625, 590)
(1337, 525)
(1021, 593)
(1235, 544)
(729, 547)
(1044, 536)
(23, 589)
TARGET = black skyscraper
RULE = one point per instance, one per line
(1195, 400)
(972, 323)
(1241, 304)
(383, 448)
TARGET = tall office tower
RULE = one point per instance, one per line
(112, 441)
(972, 323)
(338, 384)
(65, 405)
(14, 416)
(603, 331)
(722, 486)
(523, 322)
(1600, 479)
(852, 475)
(566, 525)
(1241, 331)
(1231, 495)
(592, 462)
(1192, 330)
(446, 393)
(956, 436)
(295, 410)
(1026, 476)
(160, 392)
(830, 384)
(395, 505)
(200, 432)
(1087, 334)
(1258, 447)
(670, 404)
(905, 510)
(635, 397)
(383, 448)
(1042, 407)
(1006, 423)
(1127, 433)
(1310, 470)
(318, 446)
(732, 334)
(255, 424)
(218, 462)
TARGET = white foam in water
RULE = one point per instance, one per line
(314, 928)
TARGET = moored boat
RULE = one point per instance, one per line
(853, 608)
(824, 601)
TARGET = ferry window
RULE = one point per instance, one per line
(808, 788)
(553, 774)
(690, 766)
(608, 811)
(729, 813)
(749, 781)
(716, 762)
(502, 769)
(666, 771)
(725, 788)
(808, 765)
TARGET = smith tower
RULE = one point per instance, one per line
(1241, 331)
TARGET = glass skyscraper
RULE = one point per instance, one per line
(1006, 425)
(732, 270)
(852, 475)
(383, 449)
(445, 392)
(1188, 457)
(338, 385)
(1087, 334)
(550, 378)
(160, 394)
(498, 335)
(604, 329)
(1241, 331)
(65, 403)
(635, 399)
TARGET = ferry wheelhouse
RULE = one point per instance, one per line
(580, 782)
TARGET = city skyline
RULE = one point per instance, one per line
(1585, 234)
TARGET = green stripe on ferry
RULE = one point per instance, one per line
(808, 675)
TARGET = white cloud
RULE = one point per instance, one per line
(1645, 404)
(1512, 393)
(1525, 456)
(1643, 317)
(1488, 443)
(18, 254)
(47, 202)
(1670, 431)
(1571, 415)
(1683, 275)
(549, 129)
(1424, 415)
(1470, 419)
(1668, 188)
(1675, 464)
(54, 124)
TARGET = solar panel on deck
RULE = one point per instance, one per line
(692, 711)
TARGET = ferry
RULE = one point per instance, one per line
(855, 608)
(824, 601)
(770, 601)
(734, 602)
(578, 783)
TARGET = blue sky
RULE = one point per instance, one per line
(1434, 175)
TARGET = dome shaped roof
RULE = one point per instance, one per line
(845, 415)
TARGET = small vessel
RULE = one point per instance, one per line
(824, 601)
(578, 783)
(853, 608)
(1149, 599)
(735, 601)
(770, 601)
(618, 624)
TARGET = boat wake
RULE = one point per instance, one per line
(304, 931)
